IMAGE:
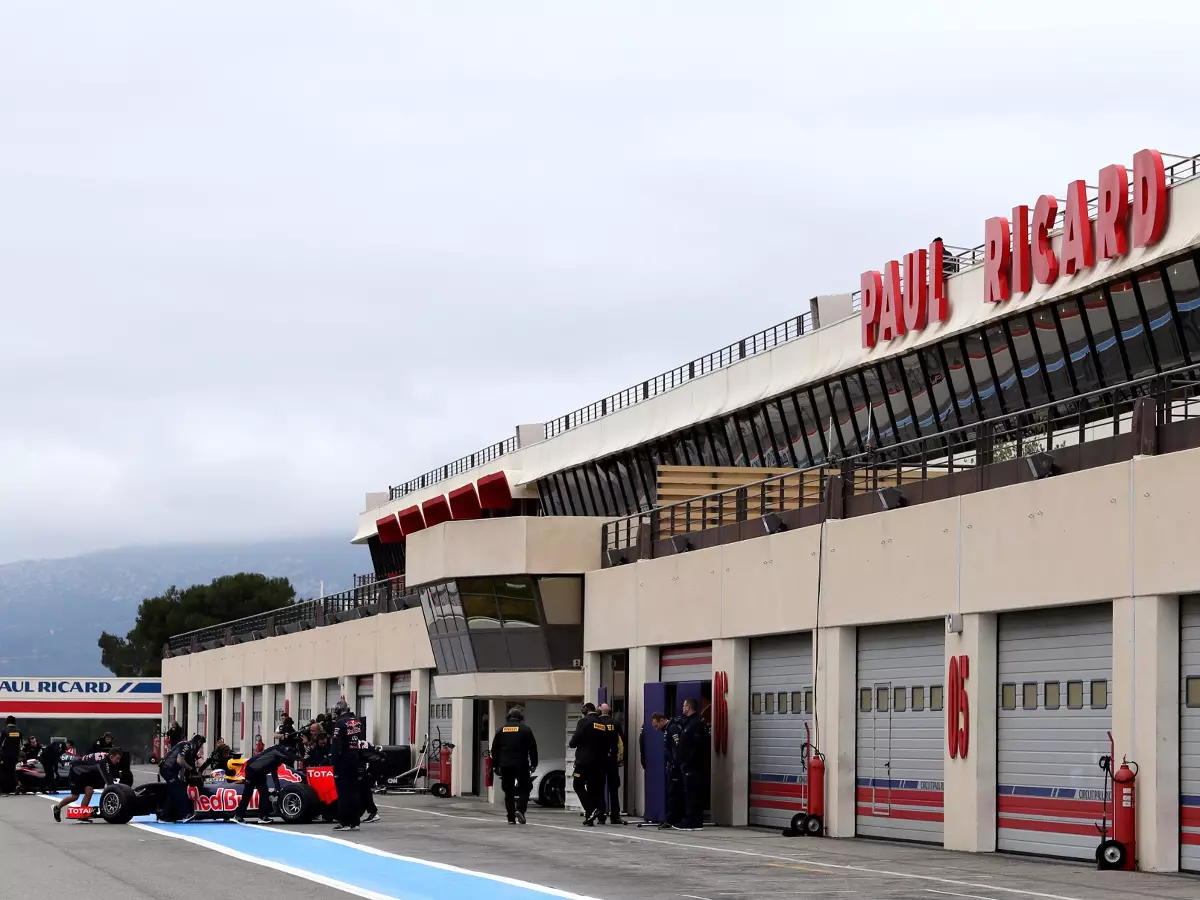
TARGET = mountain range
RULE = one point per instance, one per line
(53, 610)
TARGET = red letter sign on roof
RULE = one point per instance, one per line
(1077, 253)
(891, 324)
(1045, 263)
(1149, 198)
(996, 260)
(1112, 211)
(916, 291)
(872, 290)
(1022, 279)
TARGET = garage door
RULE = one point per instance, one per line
(441, 724)
(364, 703)
(239, 714)
(900, 739)
(306, 710)
(781, 703)
(1189, 734)
(1055, 667)
(692, 662)
(333, 693)
(256, 715)
(402, 719)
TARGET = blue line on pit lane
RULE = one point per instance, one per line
(391, 877)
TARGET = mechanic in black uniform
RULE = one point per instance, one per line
(10, 750)
(692, 756)
(590, 743)
(31, 749)
(103, 743)
(318, 750)
(674, 778)
(515, 754)
(174, 734)
(262, 766)
(96, 771)
(179, 763)
(218, 760)
(345, 745)
(608, 795)
(370, 761)
(50, 758)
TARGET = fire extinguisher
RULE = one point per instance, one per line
(444, 759)
(1120, 850)
(487, 769)
(811, 822)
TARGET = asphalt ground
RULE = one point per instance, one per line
(554, 850)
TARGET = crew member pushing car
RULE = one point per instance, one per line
(514, 750)
(179, 763)
(96, 771)
(266, 765)
(345, 745)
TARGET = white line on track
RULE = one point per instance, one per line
(952, 894)
(1020, 892)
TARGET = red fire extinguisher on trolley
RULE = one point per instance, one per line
(811, 822)
(1120, 850)
(487, 769)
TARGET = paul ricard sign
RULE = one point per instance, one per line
(81, 698)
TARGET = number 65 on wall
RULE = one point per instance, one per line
(958, 707)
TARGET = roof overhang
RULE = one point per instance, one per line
(559, 684)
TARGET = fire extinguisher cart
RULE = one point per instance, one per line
(1118, 846)
(811, 822)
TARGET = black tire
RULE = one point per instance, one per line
(296, 804)
(153, 760)
(440, 790)
(1111, 855)
(812, 826)
(796, 826)
(117, 804)
(552, 792)
(127, 779)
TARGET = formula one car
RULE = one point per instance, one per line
(302, 797)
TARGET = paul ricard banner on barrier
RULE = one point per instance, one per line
(80, 698)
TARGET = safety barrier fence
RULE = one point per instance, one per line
(1159, 413)
(389, 595)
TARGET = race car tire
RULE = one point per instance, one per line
(117, 804)
(552, 790)
(126, 779)
(440, 790)
(296, 804)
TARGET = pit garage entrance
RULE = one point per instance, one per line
(781, 707)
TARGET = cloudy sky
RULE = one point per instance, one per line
(259, 258)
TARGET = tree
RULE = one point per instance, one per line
(176, 611)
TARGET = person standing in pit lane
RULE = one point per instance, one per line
(345, 746)
(590, 743)
(692, 756)
(370, 759)
(515, 753)
(10, 750)
(96, 771)
(608, 794)
(266, 765)
(175, 769)
(671, 735)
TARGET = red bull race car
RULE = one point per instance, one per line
(302, 797)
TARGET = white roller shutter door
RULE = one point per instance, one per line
(900, 738)
(781, 704)
(691, 662)
(441, 725)
(256, 714)
(1055, 670)
(333, 693)
(1189, 734)
(306, 710)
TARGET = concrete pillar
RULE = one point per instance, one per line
(643, 668)
(970, 784)
(462, 736)
(348, 689)
(380, 720)
(226, 724)
(167, 701)
(245, 735)
(291, 701)
(211, 726)
(1145, 720)
(836, 696)
(269, 724)
(193, 713)
(422, 683)
(592, 674)
(731, 770)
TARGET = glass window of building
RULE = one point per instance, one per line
(1185, 288)
(1153, 289)
(1132, 329)
(1057, 368)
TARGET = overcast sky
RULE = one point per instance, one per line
(259, 258)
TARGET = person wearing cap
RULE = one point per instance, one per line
(93, 772)
(348, 739)
(514, 751)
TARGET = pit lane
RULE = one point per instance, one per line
(554, 853)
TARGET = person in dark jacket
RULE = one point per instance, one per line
(51, 758)
(347, 741)
(31, 749)
(590, 743)
(318, 751)
(515, 753)
(174, 734)
(10, 752)
(103, 743)
(671, 735)
(218, 760)
(96, 771)
(370, 761)
(263, 766)
(691, 752)
(609, 793)
(180, 762)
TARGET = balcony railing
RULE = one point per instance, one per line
(1178, 169)
(360, 601)
(1093, 429)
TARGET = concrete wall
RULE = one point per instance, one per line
(392, 642)
(516, 545)
(1114, 531)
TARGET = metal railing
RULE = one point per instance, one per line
(389, 595)
(1062, 428)
(1178, 169)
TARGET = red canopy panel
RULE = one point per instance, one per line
(436, 510)
(411, 519)
(389, 530)
(464, 502)
(494, 491)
